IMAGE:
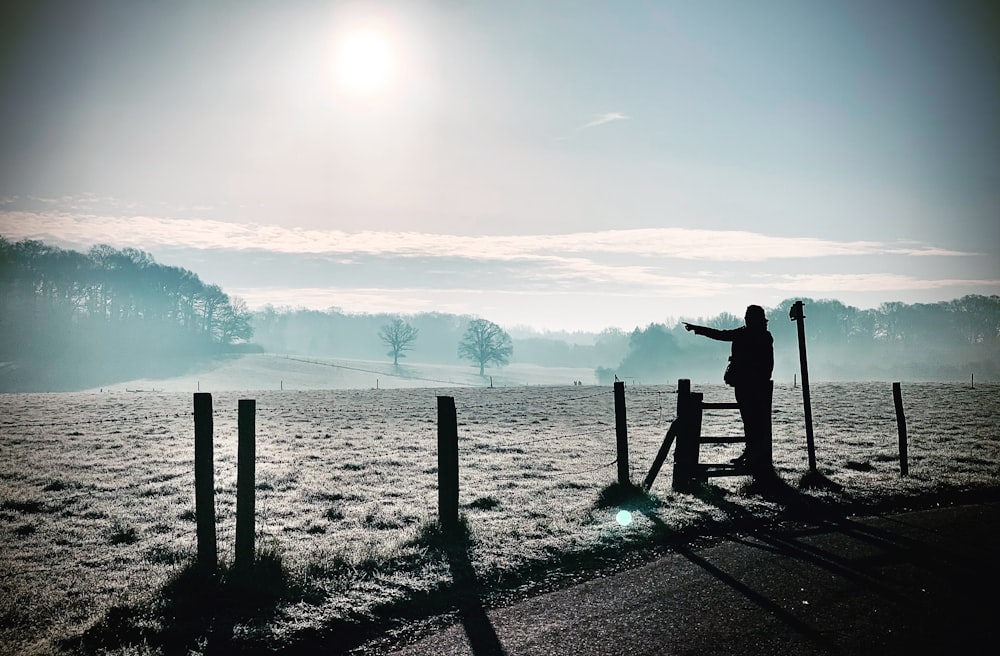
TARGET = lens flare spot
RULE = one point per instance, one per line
(624, 517)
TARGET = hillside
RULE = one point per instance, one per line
(292, 372)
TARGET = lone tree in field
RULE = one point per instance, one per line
(485, 342)
(399, 337)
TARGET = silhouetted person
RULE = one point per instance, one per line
(749, 370)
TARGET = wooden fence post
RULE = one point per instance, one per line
(204, 482)
(246, 455)
(897, 399)
(686, 452)
(621, 432)
(447, 463)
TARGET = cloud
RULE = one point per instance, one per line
(636, 271)
(606, 118)
(866, 282)
(658, 243)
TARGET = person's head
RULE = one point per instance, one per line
(755, 317)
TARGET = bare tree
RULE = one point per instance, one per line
(485, 342)
(399, 337)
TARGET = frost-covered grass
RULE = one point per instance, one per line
(97, 530)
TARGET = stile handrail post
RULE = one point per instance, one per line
(797, 314)
(621, 434)
(897, 400)
(245, 484)
(204, 482)
(447, 463)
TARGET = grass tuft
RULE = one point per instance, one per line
(485, 503)
(26, 506)
(123, 534)
(816, 481)
(25, 530)
(626, 497)
(435, 537)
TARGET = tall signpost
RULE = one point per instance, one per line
(797, 315)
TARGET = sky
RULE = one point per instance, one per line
(563, 165)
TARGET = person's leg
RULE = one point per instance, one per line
(744, 398)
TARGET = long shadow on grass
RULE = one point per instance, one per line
(197, 610)
(469, 596)
(465, 595)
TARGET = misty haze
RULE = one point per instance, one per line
(108, 317)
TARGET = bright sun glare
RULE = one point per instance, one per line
(364, 62)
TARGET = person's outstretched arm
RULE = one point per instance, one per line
(712, 333)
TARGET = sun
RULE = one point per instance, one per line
(364, 62)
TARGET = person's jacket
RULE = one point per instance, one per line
(752, 359)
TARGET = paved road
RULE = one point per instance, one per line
(915, 583)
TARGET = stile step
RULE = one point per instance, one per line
(707, 471)
(731, 439)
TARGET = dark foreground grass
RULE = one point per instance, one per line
(201, 610)
(228, 612)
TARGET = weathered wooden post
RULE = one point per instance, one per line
(689, 417)
(246, 455)
(621, 432)
(797, 315)
(447, 463)
(897, 399)
(204, 482)
(761, 446)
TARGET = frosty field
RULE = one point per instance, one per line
(97, 490)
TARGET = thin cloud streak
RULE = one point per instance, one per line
(866, 282)
(607, 118)
(679, 243)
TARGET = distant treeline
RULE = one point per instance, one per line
(66, 316)
(70, 320)
(940, 341)
(950, 340)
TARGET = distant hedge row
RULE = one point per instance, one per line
(108, 304)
